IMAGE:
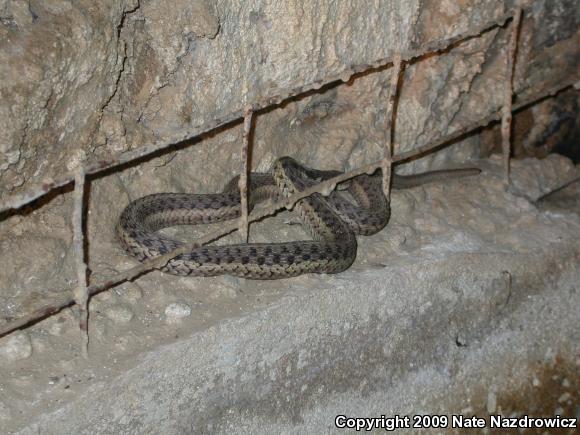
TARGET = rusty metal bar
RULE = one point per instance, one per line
(40, 189)
(80, 293)
(387, 161)
(243, 181)
(506, 120)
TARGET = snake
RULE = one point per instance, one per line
(357, 207)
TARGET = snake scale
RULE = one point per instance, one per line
(333, 223)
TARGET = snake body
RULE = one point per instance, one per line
(332, 221)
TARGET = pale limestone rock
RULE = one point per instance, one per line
(176, 312)
(15, 347)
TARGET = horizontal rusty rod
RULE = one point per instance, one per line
(324, 187)
(420, 151)
(40, 189)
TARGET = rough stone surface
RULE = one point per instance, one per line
(119, 313)
(81, 80)
(15, 347)
(175, 312)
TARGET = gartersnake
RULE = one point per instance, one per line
(333, 222)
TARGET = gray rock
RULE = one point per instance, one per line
(15, 347)
(175, 312)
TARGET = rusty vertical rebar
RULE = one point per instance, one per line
(81, 294)
(243, 181)
(387, 161)
(386, 168)
(506, 119)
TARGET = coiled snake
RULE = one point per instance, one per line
(332, 221)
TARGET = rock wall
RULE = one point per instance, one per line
(79, 80)
(82, 80)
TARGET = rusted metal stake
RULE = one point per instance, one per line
(386, 164)
(243, 181)
(80, 293)
(506, 119)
